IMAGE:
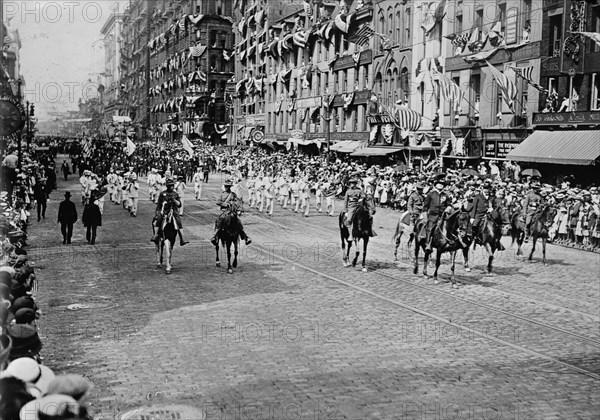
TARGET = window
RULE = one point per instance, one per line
(595, 27)
(497, 109)
(379, 83)
(212, 41)
(458, 24)
(501, 17)
(555, 35)
(398, 33)
(422, 88)
(595, 93)
(526, 20)
(407, 20)
(479, 22)
(345, 44)
(474, 94)
(366, 77)
(404, 84)
(345, 80)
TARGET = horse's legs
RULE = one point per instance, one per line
(218, 262)
(426, 256)
(466, 259)
(490, 251)
(235, 254)
(454, 284)
(438, 262)
(365, 243)
(520, 239)
(168, 246)
(417, 246)
(357, 253)
(229, 268)
(532, 247)
(347, 254)
(158, 254)
(398, 239)
(544, 239)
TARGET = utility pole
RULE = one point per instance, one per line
(327, 120)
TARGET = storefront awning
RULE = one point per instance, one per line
(375, 151)
(565, 147)
(346, 146)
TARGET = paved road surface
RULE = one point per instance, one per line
(294, 335)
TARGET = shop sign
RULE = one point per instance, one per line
(498, 149)
(567, 118)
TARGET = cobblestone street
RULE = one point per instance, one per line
(292, 334)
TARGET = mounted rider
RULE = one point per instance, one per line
(353, 195)
(434, 205)
(229, 202)
(479, 208)
(415, 203)
(165, 196)
(532, 203)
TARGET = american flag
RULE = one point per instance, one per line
(449, 90)
(527, 73)
(506, 86)
(362, 35)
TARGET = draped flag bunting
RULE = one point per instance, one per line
(449, 90)
(130, 147)
(594, 36)
(343, 22)
(330, 101)
(305, 113)
(291, 105)
(406, 118)
(86, 145)
(300, 39)
(356, 58)
(221, 128)
(315, 113)
(362, 35)
(526, 73)
(373, 133)
(387, 130)
(195, 19)
(334, 59)
(495, 35)
(196, 51)
(506, 86)
(433, 15)
(307, 7)
(227, 55)
(187, 145)
(348, 99)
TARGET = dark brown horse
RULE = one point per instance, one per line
(166, 239)
(490, 233)
(541, 222)
(229, 234)
(517, 227)
(361, 230)
(448, 235)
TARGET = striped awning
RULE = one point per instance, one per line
(564, 147)
(346, 146)
(406, 118)
(376, 151)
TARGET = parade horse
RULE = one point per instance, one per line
(228, 234)
(517, 227)
(166, 239)
(361, 229)
(490, 234)
(541, 222)
(448, 235)
(405, 223)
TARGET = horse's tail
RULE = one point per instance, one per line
(398, 233)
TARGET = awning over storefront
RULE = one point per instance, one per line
(566, 147)
(375, 151)
(121, 119)
(346, 146)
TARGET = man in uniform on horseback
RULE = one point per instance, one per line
(434, 205)
(532, 203)
(415, 203)
(353, 195)
(229, 201)
(165, 196)
(478, 211)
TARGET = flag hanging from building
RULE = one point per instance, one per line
(527, 73)
(362, 35)
(595, 36)
(130, 147)
(507, 87)
(86, 146)
(449, 90)
(187, 145)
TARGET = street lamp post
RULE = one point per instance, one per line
(20, 152)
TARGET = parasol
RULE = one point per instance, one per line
(531, 172)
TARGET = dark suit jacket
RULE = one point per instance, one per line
(479, 207)
(433, 204)
(67, 212)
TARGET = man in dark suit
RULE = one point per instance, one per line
(479, 208)
(67, 215)
(434, 206)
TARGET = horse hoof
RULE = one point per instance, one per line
(218, 264)
(454, 286)
(490, 274)
(168, 271)
(468, 269)
(364, 269)
(158, 264)
(230, 271)
(436, 281)
(234, 264)
(546, 265)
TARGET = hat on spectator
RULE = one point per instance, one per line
(29, 371)
(54, 406)
(73, 385)
(25, 316)
(25, 340)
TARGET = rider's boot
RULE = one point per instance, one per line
(245, 237)
(214, 239)
(155, 238)
(182, 241)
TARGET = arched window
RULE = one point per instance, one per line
(391, 24)
(395, 83)
(398, 32)
(379, 83)
(405, 84)
(389, 86)
(381, 28)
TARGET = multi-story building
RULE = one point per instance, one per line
(111, 32)
(300, 80)
(566, 140)
(190, 67)
(483, 42)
